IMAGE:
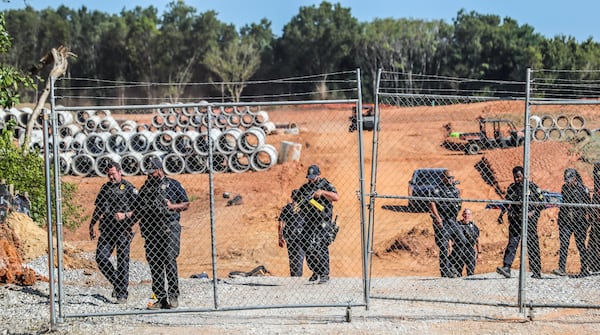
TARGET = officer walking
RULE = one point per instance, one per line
(445, 228)
(317, 209)
(290, 232)
(158, 208)
(114, 208)
(515, 193)
(573, 221)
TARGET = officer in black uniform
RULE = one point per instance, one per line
(114, 208)
(468, 256)
(573, 221)
(290, 231)
(515, 193)
(445, 227)
(158, 208)
(317, 209)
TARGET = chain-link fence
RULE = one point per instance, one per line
(452, 160)
(442, 159)
(185, 200)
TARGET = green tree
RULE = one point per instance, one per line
(11, 79)
(234, 64)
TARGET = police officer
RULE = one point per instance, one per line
(317, 209)
(467, 257)
(158, 208)
(573, 221)
(114, 208)
(445, 228)
(514, 192)
(290, 232)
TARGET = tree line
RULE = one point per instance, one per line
(182, 46)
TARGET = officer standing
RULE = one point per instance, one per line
(573, 221)
(290, 232)
(515, 193)
(160, 202)
(445, 228)
(467, 257)
(317, 208)
(114, 208)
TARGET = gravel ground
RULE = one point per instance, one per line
(392, 309)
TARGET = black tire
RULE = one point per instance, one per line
(472, 149)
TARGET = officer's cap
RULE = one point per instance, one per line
(313, 172)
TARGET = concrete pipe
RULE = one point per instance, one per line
(170, 120)
(149, 156)
(64, 144)
(201, 144)
(37, 140)
(548, 121)
(227, 141)
(95, 144)
(65, 118)
(2, 116)
(164, 141)
(129, 126)
(269, 127)
(65, 160)
(118, 143)
(569, 133)
(220, 162)
(82, 165)
(91, 124)
(108, 124)
(535, 121)
(158, 121)
(102, 113)
(196, 119)
(263, 158)
(131, 163)
(12, 116)
(239, 162)
(577, 122)
(69, 130)
(182, 120)
(260, 118)
(251, 139)
(142, 127)
(183, 144)
(189, 111)
(221, 121)
(195, 163)
(78, 141)
(141, 141)
(103, 161)
(174, 164)
(289, 151)
(23, 115)
(82, 116)
(583, 132)
(247, 119)
(233, 120)
(562, 122)
(555, 134)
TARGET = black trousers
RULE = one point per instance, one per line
(566, 228)
(162, 250)
(317, 251)
(118, 276)
(533, 244)
(296, 254)
(450, 231)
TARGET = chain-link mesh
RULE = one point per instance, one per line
(454, 207)
(236, 165)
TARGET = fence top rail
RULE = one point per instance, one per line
(547, 102)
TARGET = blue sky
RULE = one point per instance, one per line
(549, 17)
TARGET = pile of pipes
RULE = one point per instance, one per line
(89, 139)
(558, 128)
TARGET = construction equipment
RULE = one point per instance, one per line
(493, 134)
